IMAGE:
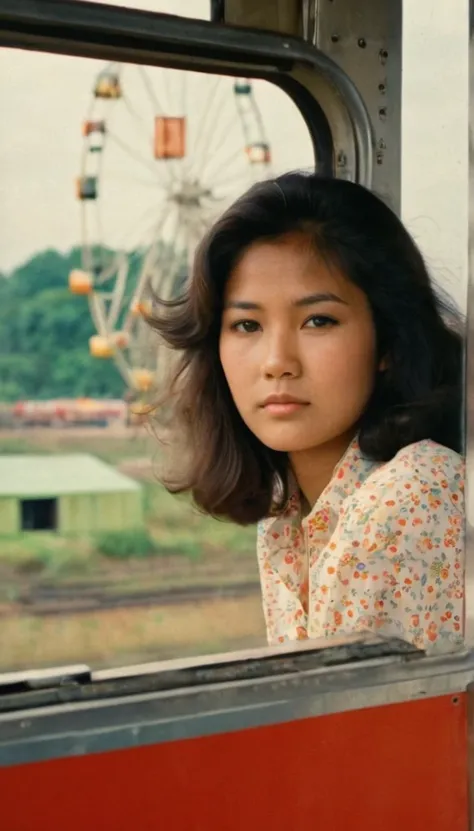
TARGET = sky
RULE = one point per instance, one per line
(45, 98)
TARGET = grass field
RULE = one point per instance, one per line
(112, 447)
(186, 549)
(118, 637)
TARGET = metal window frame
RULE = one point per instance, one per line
(332, 107)
(219, 694)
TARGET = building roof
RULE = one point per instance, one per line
(47, 476)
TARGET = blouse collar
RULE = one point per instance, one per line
(348, 475)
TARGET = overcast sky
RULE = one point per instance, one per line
(45, 98)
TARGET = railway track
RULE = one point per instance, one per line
(58, 600)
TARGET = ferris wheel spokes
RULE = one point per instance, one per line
(232, 182)
(222, 136)
(233, 156)
(257, 148)
(212, 110)
(217, 141)
(171, 172)
(98, 313)
(140, 301)
(168, 173)
(157, 106)
(148, 164)
(118, 293)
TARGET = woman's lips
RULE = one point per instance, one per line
(284, 409)
(283, 405)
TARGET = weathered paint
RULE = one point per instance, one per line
(92, 513)
(391, 767)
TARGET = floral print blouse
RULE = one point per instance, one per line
(382, 551)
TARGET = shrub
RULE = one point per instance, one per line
(126, 544)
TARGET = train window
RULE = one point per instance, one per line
(110, 175)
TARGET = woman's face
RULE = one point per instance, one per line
(297, 346)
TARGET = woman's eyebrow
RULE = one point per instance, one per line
(241, 304)
(323, 297)
(308, 300)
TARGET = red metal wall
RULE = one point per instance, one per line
(400, 767)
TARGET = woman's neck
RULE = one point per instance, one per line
(313, 469)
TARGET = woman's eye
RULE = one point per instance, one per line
(246, 326)
(320, 322)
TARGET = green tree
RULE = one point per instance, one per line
(44, 334)
(45, 330)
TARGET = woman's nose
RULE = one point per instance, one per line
(280, 359)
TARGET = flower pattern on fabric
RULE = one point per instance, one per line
(381, 551)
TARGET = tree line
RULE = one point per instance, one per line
(44, 335)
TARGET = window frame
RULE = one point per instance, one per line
(77, 713)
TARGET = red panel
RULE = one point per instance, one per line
(397, 767)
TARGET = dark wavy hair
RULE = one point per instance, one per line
(228, 471)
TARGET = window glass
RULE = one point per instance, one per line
(98, 563)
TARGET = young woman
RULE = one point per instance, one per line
(319, 393)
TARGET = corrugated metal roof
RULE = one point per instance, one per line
(48, 476)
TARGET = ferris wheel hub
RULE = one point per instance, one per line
(190, 193)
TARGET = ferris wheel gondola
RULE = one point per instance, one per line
(168, 150)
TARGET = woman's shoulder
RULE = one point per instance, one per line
(427, 456)
(420, 468)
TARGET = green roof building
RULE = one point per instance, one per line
(73, 494)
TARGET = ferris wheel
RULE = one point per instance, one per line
(164, 152)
